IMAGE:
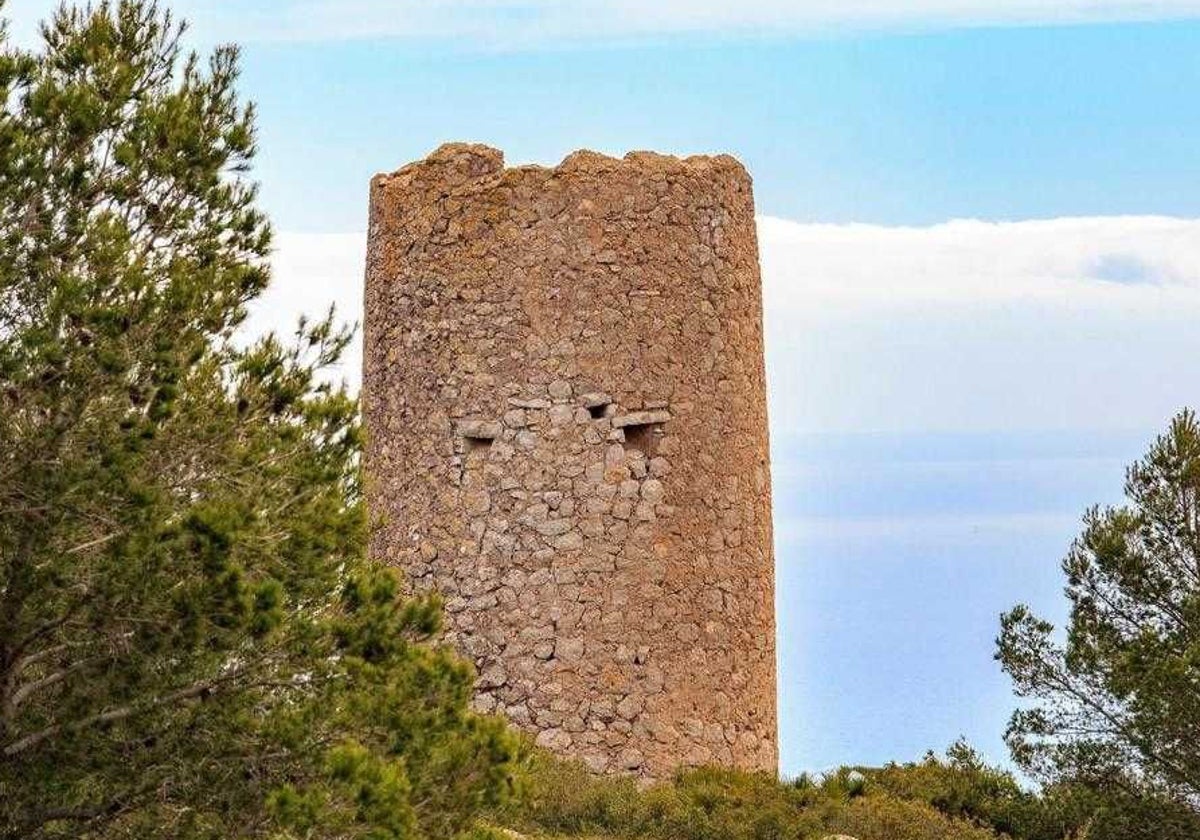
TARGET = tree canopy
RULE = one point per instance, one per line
(1115, 702)
(193, 642)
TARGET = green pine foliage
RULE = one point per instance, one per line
(1114, 703)
(192, 641)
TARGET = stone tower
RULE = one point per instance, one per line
(566, 409)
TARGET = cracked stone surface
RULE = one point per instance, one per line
(567, 436)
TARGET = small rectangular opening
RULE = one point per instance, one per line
(478, 434)
(475, 444)
(597, 404)
(644, 437)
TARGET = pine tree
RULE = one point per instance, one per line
(1115, 704)
(192, 641)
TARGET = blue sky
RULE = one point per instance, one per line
(997, 123)
(980, 230)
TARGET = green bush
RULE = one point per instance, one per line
(964, 787)
(956, 797)
(879, 816)
(562, 799)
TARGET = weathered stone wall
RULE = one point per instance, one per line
(566, 411)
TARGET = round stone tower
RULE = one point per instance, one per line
(566, 409)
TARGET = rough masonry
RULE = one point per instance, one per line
(566, 409)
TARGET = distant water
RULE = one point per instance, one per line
(896, 555)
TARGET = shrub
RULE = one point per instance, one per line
(563, 800)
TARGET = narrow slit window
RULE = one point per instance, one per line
(478, 434)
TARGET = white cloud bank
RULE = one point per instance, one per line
(518, 23)
(1075, 323)
(1110, 260)
(1085, 323)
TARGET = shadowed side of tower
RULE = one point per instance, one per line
(566, 408)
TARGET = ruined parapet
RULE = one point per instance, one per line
(566, 411)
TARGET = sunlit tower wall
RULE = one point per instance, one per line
(566, 412)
